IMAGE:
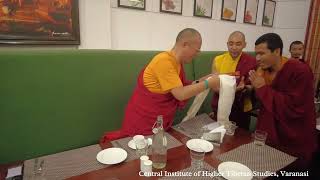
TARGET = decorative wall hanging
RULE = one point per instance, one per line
(250, 12)
(268, 13)
(39, 22)
(203, 8)
(171, 6)
(229, 10)
(134, 4)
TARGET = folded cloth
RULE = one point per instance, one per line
(226, 97)
(221, 130)
(216, 132)
(214, 137)
(212, 126)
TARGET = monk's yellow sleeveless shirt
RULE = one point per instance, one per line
(225, 64)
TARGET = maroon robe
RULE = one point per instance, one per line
(245, 64)
(3, 172)
(144, 107)
(288, 111)
(302, 60)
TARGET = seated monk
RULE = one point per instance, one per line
(236, 62)
(162, 88)
(286, 93)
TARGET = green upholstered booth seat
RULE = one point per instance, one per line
(53, 101)
(56, 100)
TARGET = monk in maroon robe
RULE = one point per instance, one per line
(143, 108)
(288, 111)
(166, 90)
(296, 50)
(244, 63)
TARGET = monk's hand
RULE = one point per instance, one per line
(248, 88)
(257, 81)
(241, 84)
(214, 82)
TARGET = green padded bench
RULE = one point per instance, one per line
(56, 100)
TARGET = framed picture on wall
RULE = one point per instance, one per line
(268, 13)
(203, 8)
(250, 11)
(134, 4)
(171, 6)
(229, 10)
(39, 22)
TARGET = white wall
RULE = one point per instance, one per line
(291, 21)
(105, 26)
(95, 18)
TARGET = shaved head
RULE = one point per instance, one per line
(238, 34)
(188, 45)
(187, 34)
(236, 43)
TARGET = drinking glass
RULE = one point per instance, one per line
(231, 128)
(260, 137)
(197, 159)
(141, 145)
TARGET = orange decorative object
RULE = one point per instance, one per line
(227, 13)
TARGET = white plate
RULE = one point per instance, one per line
(133, 146)
(112, 156)
(234, 171)
(199, 145)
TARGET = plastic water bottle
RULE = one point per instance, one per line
(159, 145)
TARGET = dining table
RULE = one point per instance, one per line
(81, 164)
(177, 158)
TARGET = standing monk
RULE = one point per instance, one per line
(235, 60)
(296, 50)
(162, 88)
(285, 90)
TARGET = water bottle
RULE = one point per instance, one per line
(159, 145)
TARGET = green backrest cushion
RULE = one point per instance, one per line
(53, 101)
